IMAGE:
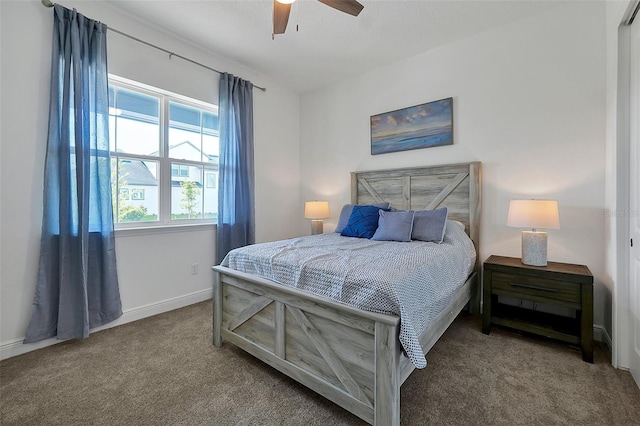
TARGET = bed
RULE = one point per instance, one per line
(350, 356)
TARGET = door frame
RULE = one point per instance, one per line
(634, 188)
(622, 327)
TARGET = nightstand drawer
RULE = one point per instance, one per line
(537, 289)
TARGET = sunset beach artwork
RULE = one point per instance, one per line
(421, 126)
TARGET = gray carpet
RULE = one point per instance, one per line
(164, 371)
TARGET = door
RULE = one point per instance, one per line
(634, 202)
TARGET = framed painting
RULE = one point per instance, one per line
(421, 126)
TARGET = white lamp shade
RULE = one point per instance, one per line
(316, 210)
(533, 214)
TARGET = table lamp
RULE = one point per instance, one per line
(316, 211)
(534, 214)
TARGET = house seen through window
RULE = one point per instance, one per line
(164, 156)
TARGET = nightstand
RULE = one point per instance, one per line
(557, 284)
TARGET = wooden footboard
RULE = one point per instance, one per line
(349, 356)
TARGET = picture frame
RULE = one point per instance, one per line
(426, 125)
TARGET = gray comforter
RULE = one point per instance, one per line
(414, 281)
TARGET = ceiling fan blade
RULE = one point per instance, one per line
(352, 7)
(280, 17)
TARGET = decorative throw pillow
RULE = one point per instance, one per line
(345, 214)
(429, 225)
(362, 223)
(394, 226)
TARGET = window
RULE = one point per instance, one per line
(178, 170)
(164, 156)
(137, 194)
(212, 180)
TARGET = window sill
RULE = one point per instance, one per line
(163, 229)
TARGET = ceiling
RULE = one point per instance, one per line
(329, 45)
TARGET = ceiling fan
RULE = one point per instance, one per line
(282, 8)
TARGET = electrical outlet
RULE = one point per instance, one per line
(194, 269)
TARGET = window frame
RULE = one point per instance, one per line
(164, 173)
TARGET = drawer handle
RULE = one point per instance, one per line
(533, 287)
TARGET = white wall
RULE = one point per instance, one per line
(154, 267)
(529, 103)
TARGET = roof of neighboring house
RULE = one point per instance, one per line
(135, 172)
(211, 157)
(179, 183)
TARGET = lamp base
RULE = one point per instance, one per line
(316, 227)
(534, 248)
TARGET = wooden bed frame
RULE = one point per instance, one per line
(350, 356)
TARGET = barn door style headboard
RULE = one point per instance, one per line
(456, 186)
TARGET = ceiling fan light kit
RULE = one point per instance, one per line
(282, 9)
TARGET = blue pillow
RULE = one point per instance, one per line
(429, 225)
(345, 214)
(362, 223)
(394, 226)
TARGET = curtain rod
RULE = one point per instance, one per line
(49, 3)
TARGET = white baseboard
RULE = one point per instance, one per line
(600, 334)
(16, 347)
